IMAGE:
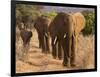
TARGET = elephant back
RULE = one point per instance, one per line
(78, 22)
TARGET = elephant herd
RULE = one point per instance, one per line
(63, 30)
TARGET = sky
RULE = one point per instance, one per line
(65, 9)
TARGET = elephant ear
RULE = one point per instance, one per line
(79, 22)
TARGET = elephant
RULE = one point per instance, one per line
(25, 34)
(64, 30)
(41, 25)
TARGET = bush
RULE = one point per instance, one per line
(50, 15)
(90, 22)
(27, 13)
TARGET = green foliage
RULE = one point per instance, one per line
(90, 22)
(50, 15)
(27, 13)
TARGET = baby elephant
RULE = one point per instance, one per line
(25, 36)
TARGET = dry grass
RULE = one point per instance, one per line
(39, 62)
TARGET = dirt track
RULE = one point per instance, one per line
(39, 62)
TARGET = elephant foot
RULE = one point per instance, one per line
(66, 64)
(72, 62)
(54, 57)
(73, 65)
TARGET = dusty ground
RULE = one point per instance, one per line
(39, 62)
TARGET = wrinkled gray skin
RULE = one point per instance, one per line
(64, 31)
(41, 25)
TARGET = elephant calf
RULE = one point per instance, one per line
(26, 37)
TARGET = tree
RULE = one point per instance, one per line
(50, 15)
(27, 13)
(90, 22)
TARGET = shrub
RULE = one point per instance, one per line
(90, 22)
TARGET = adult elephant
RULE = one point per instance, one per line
(41, 25)
(64, 30)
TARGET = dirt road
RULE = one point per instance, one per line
(39, 62)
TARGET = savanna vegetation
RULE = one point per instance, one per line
(90, 22)
(28, 14)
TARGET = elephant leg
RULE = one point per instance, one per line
(47, 44)
(59, 50)
(42, 43)
(54, 49)
(74, 49)
(65, 59)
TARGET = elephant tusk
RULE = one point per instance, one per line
(46, 34)
(55, 40)
(65, 35)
